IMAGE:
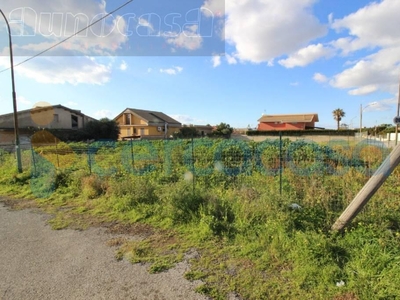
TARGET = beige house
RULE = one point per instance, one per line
(145, 124)
(52, 117)
(287, 122)
(44, 117)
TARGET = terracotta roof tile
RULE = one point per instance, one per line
(289, 118)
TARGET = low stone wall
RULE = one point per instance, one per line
(315, 138)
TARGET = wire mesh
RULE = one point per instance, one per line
(307, 171)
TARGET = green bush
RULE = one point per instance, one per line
(93, 186)
(219, 216)
(182, 202)
(132, 191)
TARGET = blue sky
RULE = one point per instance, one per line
(207, 61)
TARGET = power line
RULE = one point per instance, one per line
(71, 36)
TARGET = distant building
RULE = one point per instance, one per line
(145, 124)
(203, 130)
(287, 122)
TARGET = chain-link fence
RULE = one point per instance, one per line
(201, 159)
(324, 176)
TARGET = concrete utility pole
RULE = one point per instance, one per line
(14, 97)
(398, 113)
(361, 109)
(369, 189)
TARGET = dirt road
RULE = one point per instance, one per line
(37, 262)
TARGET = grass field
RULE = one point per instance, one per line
(254, 218)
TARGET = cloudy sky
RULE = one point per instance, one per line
(206, 61)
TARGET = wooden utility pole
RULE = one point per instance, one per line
(369, 189)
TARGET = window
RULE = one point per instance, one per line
(74, 122)
(56, 118)
(127, 119)
(134, 131)
(141, 131)
(128, 132)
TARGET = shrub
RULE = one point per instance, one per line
(132, 191)
(93, 186)
(218, 215)
(182, 202)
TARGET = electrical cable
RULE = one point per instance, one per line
(66, 39)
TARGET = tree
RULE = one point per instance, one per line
(102, 129)
(338, 114)
(223, 130)
(187, 132)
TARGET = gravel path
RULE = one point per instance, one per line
(37, 262)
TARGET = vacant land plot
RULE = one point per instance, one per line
(37, 262)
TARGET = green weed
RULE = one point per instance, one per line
(251, 236)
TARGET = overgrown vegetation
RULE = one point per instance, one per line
(217, 204)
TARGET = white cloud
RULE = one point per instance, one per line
(306, 55)
(188, 39)
(185, 119)
(378, 71)
(149, 70)
(69, 61)
(172, 71)
(365, 90)
(60, 70)
(380, 105)
(51, 22)
(216, 60)
(294, 83)
(23, 101)
(264, 30)
(71, 104)
(104, 113)
(321, 78)
(376, 24)
(147, 24)
(374, 28)
(330, 18)
(213, 8)
(231, 59)
(123, 66)
(347, 45)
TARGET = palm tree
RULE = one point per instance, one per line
(338, 114)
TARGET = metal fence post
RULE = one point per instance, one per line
(193, 170)
(33, 160)
(58, 160)
(89, 159)
(280, 162)
(132, 157)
